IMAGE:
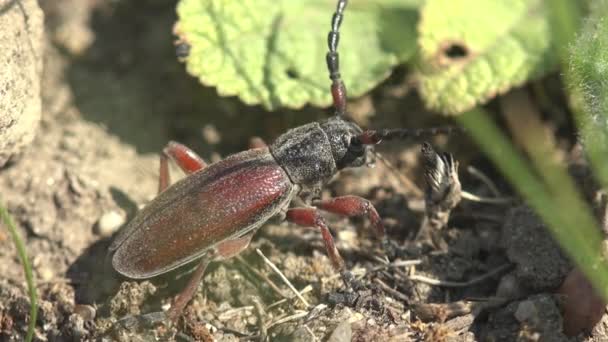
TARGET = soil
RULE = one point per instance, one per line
(113, 94)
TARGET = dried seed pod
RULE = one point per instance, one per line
(443, 190)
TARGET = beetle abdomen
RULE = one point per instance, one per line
(224, 200)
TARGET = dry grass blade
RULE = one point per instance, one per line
(307, 289)
(391, 291)
(283, 277)
(262, 276)
(299, 314)
(260, 313)
(490, 200)
(484, 179)
(408, 184)
(447, 283)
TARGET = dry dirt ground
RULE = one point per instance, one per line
(114, 94)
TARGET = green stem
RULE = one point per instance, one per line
(554, 201)
(8, 220)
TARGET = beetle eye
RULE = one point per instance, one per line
(355, 144)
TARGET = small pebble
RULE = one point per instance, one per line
(46, 274)
(526, 312)
(109, 223)
(342, 333)
(356, 317)
(510, 287)
(302, 335)
(211, 135)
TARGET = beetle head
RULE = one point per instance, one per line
(346, 149)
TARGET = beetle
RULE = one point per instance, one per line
(213, 213)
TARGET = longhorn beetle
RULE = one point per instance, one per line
(213, 213)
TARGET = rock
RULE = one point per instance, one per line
(526, 311)
(21, 54)
(535, 319)
(510, 287)
(302, 334)
(342, 333)
(109, 223)
(86, 312)
(130, 297)
(540, 263)
(75, 326)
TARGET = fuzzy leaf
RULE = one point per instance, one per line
(472, 50)
(272, 52)
(587, 80)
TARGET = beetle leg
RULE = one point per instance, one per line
(353, 206)
(257, 142)
(147, 321)
(357, 206)
(310, 217)
(184, 157)
(164, 179)
(182, 299)
(224, 250)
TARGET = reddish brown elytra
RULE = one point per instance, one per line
(213, 213)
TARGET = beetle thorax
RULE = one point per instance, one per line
(312, 154)
(305, 154)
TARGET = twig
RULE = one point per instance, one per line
(315, 312)
(283, 277)
(226, 315)
(314, 338)
(307, 289)
(391, 291)
(262, 276)
(485, 180)
(235, 332)
(299, 314)
(460, 324)
(411, 186)
(444, 311)
(404, 263)
(259, 312)
(357, 272)
(480, 216)
(383, 260)
(447, 283)
(490, 200)
(27, 269)
(397, 264)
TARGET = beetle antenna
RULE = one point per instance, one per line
(338, 89)
(372, 137)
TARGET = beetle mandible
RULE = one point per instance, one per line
(213, 213)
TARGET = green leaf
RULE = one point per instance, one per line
(272, 52)
(587, 80)
(472, 50)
